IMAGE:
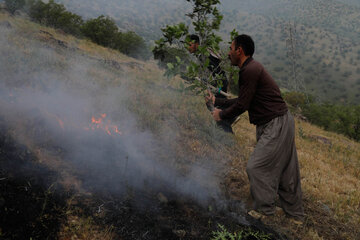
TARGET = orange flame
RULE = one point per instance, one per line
(99, 123)
(96, 123)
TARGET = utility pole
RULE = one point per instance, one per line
(296, 82)
(291, 43)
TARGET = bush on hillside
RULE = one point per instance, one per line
(295, 99)
(70, 23)
(342, 119)
(13, 5)
(55, 15)
(132, 45)
(101, 30)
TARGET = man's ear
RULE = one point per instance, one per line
(240, 50)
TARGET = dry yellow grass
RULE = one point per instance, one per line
(330, 171)
(77, 228)
(329, 165)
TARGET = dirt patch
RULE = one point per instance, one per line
(51, 40)
(320, 139)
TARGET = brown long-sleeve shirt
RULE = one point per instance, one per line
(258, 94)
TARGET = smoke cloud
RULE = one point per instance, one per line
(68, 103)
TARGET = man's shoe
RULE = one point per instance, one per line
(257, 215)
(279, 212)
(297, 222)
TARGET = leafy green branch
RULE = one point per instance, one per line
(172, 50)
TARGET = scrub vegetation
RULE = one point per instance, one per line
(344, 119)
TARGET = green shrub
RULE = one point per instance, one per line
(55, 15)
(13, 5)
(344, 119)
(70, 23)
(101, 30)
(295, 99)
(132, 45)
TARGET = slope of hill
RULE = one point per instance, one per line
(103, 145)
(327, 36)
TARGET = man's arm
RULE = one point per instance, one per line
(224, 102)
(234, 107)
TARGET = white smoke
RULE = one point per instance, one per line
(54, 93)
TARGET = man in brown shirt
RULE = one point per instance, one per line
(273, 167)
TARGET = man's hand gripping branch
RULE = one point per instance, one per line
(210, 101)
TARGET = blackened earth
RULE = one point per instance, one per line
(34, 206)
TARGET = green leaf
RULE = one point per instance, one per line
(191, 87)
(170, 66)
(207, 62)
(233, 34)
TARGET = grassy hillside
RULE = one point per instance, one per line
(171, 171)
(327, 36)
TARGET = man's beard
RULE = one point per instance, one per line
(233, 62)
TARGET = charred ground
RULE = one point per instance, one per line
(31, 201)
(33, 204)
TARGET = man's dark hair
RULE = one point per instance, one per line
(247, 44)
(195, 38)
